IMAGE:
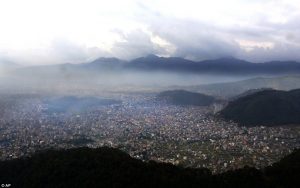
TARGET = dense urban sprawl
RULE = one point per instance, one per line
(146, 129)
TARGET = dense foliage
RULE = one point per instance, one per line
(107, 167)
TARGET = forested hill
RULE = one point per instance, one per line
(107, 167)
(269, 108)
(182, 97)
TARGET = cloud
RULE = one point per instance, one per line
(137, 43)
(67, 51)
(67, 31)
(194, 40)
(273, 35)
(60, 50)
(280, 52)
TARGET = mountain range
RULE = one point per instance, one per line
(227, 65)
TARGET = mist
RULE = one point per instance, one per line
(59, 80)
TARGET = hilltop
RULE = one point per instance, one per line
(182, 97)
(268, 107)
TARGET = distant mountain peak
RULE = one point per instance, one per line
(107, 59)
(229, 57)
(152, 56)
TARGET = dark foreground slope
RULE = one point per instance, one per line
(182, 97)
(270, 108)
(107, 167)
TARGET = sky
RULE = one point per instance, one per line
(76, 31)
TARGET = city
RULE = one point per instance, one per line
(188, 136)
(159, 93)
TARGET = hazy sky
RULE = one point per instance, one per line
(56, 31)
